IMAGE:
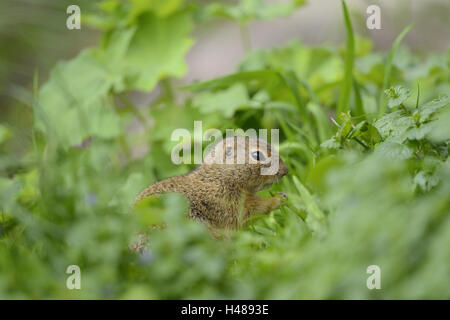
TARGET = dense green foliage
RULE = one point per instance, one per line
(368, 187)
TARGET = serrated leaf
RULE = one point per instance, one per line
(397, 95)
(425, 180)
(418, 133)
(157, 49)
(428, 109)
(393, 150)
(394, 123)
(71, 105)
(331, 144)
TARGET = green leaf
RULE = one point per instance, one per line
(440, 131)
(418, 133)
(160, 8)
(247, 10)
(429, 109)
(393, 151)
(367, 133)
(157, 49)
(167, 119)
(344, 130)
(426, 180)
(112, 54)
(72, 105)
(331, 143)
(225, 102)
(397, 95)
(394, 124)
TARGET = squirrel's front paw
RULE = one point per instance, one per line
(279, 200)
(282, 197)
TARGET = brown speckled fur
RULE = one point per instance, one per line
(223, 196)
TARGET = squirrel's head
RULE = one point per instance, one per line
(252, 162)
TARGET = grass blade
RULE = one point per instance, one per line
(359, 108)
(387, 70)
(418, 94)
(310, 204)
(346, 89)
(231, 79)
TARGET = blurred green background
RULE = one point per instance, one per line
(85, 123)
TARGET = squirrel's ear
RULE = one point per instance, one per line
(267, 162)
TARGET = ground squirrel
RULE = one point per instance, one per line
(222, 190)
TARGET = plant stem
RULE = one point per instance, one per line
(168, 90)
(405, 109)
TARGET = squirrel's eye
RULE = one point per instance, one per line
(258, 156)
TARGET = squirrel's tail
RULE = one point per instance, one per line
(173, 184)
